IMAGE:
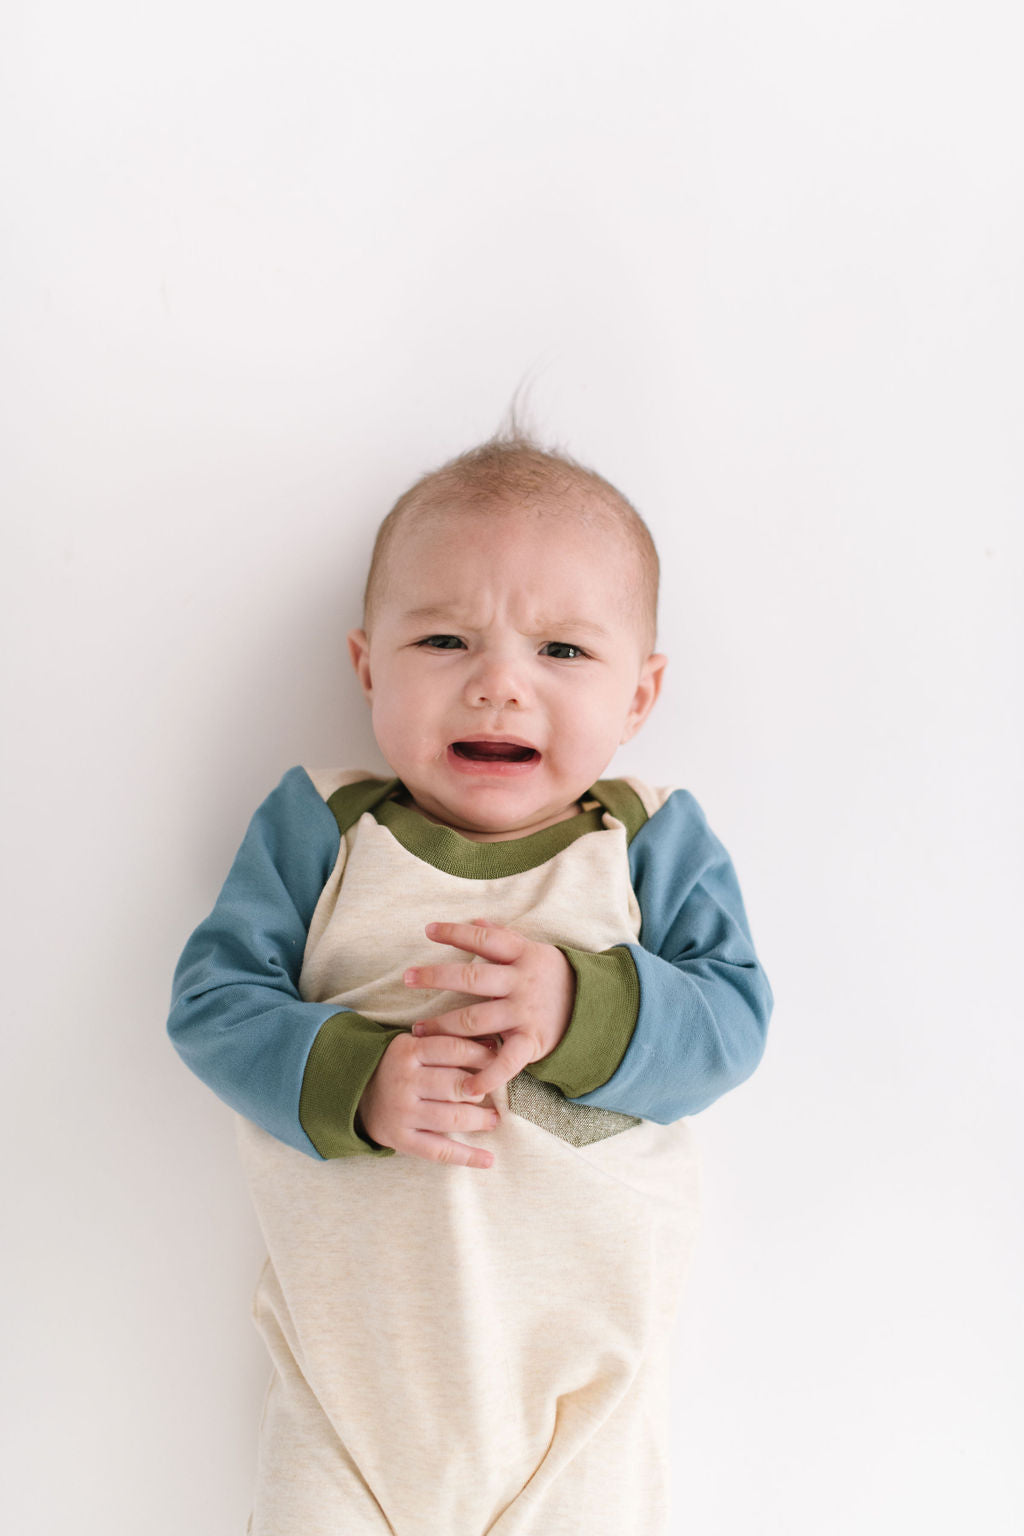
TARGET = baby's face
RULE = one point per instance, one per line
(504, 666)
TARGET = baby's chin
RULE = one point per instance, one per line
(491, 826)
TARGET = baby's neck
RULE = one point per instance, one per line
(488, 837)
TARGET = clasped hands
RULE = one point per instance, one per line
(433, 1081)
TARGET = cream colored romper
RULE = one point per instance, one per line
(459, 1352)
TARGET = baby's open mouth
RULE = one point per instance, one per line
(494, 751)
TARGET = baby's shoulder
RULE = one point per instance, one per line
(327, 781)
(651, 798)
(631, 801)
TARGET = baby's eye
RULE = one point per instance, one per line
(440, 642)
(561, 650)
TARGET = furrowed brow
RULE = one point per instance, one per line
(437, 613)
(431, 615)
(567, 626)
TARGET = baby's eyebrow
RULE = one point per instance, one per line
(435, 614)
(571, 626)
(429, 615)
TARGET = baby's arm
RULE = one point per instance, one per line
(296, 1068)
(701, 998)
(658, 1029)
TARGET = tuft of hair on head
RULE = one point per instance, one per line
(512, 469)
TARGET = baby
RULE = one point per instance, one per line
(518, 976)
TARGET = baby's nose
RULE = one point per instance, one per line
(497, 683)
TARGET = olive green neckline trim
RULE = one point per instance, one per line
(447, 850)
(621, 801)
(353, 800)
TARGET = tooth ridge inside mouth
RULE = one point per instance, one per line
(494, 751)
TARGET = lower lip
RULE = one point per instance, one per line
(492, 767)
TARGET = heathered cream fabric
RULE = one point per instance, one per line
(368, 925)
(459, 1352)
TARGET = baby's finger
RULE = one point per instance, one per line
(488, 940)
(438, 1149)
(476, 1019)
(435, 1115)
(466, 976)
(441, 1050)
(449, 1085)
(516, 1053)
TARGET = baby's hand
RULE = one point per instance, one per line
(423, 1089)
(530, 989)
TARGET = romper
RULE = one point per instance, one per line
(465, 1352)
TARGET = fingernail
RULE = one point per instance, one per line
(431, 929)
(410, 978)
(418, 1029)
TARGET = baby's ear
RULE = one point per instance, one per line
(647, 689)
(359, 650)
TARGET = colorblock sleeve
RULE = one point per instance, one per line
(237, 1019)
(686, 1010)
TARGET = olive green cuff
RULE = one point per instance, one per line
(343, 1058)
(604, 1016)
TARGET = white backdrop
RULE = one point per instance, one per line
(263, 264)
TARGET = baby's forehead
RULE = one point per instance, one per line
(536, 519)
(559, 549)
(568, 533)
(457, 572)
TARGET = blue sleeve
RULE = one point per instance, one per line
(704, 999)
(236, 1015)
